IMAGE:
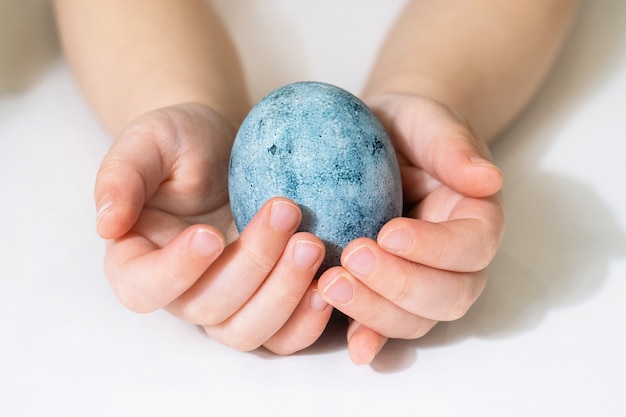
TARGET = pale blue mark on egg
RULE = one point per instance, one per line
(322, 147)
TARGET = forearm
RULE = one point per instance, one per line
(133, 56)
(484, 58)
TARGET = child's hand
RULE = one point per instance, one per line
(162, 200)
(430, 265)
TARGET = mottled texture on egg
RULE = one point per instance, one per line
(322, 147)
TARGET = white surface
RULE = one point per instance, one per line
(548, 337)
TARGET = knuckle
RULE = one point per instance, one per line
(202, 314)
(132, 300)
(374, 315)
(158, 123)
(489, 246)
(282, 349)
(259, 261)
(288, 297)
(456, 311)
(464, 300)
(488, 252)
(420, 329)
(400, 289)
(246, 345)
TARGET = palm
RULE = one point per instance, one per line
(181, 177)
(195, 190)
(433, 188)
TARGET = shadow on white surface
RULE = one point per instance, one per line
(555, 254)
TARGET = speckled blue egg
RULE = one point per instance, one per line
(322, 147)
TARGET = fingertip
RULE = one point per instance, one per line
(363, 344)
(488, 177)
(396, 236)
(112, 221)
(119, 200)
(480, 162)
(474, 176)
(361, 355)
(108, 225)
(285, 215)
(327, 278)
(317, 302)
(102, 208)
(281, 215)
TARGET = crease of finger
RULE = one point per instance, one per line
(431, 293)
(272, 305)
(466, 241)
(303, 328)
(373, 310)
(236, 275)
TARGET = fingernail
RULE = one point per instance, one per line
(396, 240)
(480, 161)
(317, 302)
(104, 206)
(361, 260)
(205, 243)
(339, 290)
(284, 216)
(306, 254)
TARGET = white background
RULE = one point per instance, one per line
(548, 336)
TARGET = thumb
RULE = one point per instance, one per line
(433, 138)
(461, 166)
(128, 176)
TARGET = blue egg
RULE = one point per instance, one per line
(322, 147)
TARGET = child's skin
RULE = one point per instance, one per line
(164, 79)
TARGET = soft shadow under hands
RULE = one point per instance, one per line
(554, 254)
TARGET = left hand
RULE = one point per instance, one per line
(429, 266)
(163, 201)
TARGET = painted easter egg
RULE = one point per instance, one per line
(323, 148)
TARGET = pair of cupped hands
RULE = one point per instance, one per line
(162, 199)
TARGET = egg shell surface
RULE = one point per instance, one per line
(322, 147)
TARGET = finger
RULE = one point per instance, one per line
(427, 292)
(466, 242)
(440, 142)
(276, 299)
(238, 273)
(352, 297)
(304, 327)
(145, 277)
(364, 343)
(128, 176)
